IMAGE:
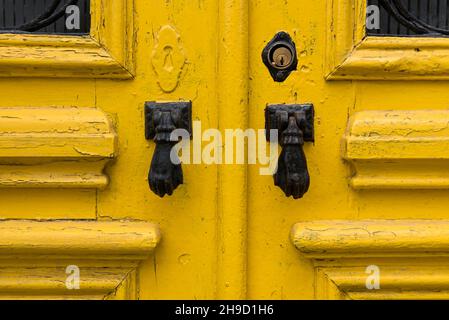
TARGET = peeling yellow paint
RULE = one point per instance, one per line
(55, 147)
(72, 149)
(398, 149)
(106, 53)
(34, 256)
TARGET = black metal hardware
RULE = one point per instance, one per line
(408, 17)
(280, 56)
(20, 16)
(161, 119)
(295, 125)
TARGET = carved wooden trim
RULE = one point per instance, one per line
(353, 55)
(54, 147)
(396, 282)
(34, 256)
(372, 238)
(342, 250)
(326, 288)
(106, 53)
(398, 149)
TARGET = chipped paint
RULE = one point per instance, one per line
(398, 149)
(55, 147)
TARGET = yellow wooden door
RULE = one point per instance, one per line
(79, 219)
(373, 223)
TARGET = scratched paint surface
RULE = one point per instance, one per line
(226, 231)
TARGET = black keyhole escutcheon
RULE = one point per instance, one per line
(280, 56)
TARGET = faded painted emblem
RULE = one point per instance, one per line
(168, 58)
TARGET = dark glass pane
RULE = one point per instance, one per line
(45, 16)
(409, 18)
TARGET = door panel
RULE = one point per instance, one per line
(184, 264)
(91, 129)
(277, 270)
(398, 172)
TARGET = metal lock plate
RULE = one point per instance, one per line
(181, 115)
(280, 57)
(304, 114)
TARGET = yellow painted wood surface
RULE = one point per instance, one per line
(398, 149)
(328, 34)
(350, 54)
(34, 256)
(106, 53)
(87, 239)
(371, 238)
(232, 81)
(411, 281)
(55, 147)
(226, 230)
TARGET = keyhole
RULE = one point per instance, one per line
(282, 57)
(168, 60)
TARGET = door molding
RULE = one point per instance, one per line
(398, 149)
(34, 256)
(350, 54)
(341, 251)
(372, 238)
(106, 53)
(397, 281)
(55, 147)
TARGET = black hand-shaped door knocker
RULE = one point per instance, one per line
(295, 125)
(161, 119)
